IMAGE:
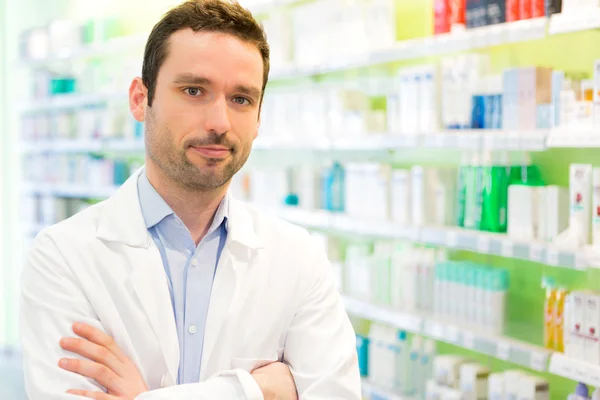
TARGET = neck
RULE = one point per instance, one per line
(195, 208)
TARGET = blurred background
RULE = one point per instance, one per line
(444, 152)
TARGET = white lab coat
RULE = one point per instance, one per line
(273, 298)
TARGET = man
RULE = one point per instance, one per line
(171, 289)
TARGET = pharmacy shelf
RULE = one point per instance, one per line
(574, 139)
(111, 47)
(66, 146)
(501, 347)
(534, 140)
(76, 191)
(575, 21)
(471, 39)
(73, 101)
(372, 392)
(577, 370)
(61, 146)
(401, 320)
(449, 237)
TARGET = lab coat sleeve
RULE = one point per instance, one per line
(321, 345)
(51, 301)
(234, 384)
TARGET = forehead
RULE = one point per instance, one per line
(220, 57)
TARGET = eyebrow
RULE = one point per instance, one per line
(191, 79)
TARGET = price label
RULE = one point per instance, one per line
(551, 256)
(468, 340)
(452, 239)
(535, 252)
(452, 334)
(483, 244)
(593, 374)
(581, 373)
(538, 361)
(503, 351)
(507, 248)
(435, 330)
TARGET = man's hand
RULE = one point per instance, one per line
(104, 362)
(276, 382)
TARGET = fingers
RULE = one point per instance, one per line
(100, 338)
(92, 395)
(94, 352)
(90, 369)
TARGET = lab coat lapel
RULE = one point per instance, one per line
(227, 292)
(151, 287)
(122, 222)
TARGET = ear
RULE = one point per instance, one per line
(257, 128)
(138, 99)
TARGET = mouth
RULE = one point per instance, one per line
(215, 152)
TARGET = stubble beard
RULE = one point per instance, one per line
(176, 166)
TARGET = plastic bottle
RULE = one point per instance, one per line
(402, 362)
(559, 323)
(549, 312)
(461, 189)
(473, 194)
(581, 393)
(413, 370)
(495, 179)
(425, 367)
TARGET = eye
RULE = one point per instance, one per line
(192, 91)
(241, 100)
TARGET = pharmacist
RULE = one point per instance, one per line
(171, 289)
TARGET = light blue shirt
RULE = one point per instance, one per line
(190, 270)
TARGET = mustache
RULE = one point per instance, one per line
(212, 139)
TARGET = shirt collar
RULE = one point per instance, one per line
(155, 208)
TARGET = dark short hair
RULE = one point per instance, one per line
(207, 16)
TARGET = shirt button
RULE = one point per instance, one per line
(192, 329)
(194, 262)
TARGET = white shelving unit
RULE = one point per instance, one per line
(577, 370)
(472, 39)
(72, 101)
(501, 347)
(372, 392)
(78, 191)
(443, 140)
(574, 22)
(449, 237)
(574, 139)
(65, 146)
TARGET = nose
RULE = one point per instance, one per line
(217, 117)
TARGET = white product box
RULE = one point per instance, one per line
(418, 199)
(574, 346)
(446, 370)
(433, 391)
(556, 201)
(512, 381)
(474, 381)
(591, 327)
(496, 387)
(401, 195)
(533, 388)
(522, 212)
